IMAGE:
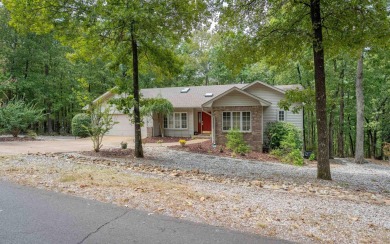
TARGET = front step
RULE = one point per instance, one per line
(202, 136)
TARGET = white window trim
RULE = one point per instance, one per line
(174, 123)
(231, 121)
(285, 115)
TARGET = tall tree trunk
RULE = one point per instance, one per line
(49, 120)
(351, 144)
(340, 136)
(323, 167)
(359, 148)
(138, 151)
(303, 110)
(331, 133)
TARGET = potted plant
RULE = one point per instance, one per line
(123, 145)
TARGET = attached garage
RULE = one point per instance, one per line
(124, 126)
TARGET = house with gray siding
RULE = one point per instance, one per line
(213, 110)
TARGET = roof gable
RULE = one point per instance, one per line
(263, 84)
(236, 90)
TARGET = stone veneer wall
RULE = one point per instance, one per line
(253, 138)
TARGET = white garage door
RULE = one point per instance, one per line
(123, 128)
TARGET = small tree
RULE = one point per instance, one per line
(158, 108)
(101, 123)
(17, 116)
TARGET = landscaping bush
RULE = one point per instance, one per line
(80, 124)
(236, 143)
(276, 132)
(16, 116)
(31, 134)
(312, 157)
(285, 141)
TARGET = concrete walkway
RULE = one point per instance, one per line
(52, 144)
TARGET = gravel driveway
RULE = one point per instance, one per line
(271, 199)
(370, 176)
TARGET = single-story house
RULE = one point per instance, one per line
(213, 110)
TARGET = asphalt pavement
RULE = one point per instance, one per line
(29, 215)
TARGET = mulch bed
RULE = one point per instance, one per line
(11, 138)
(207, 148)
(110, 153)
(164, 139)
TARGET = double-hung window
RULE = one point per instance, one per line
(175, 121)
(282, 115)
(236, 120)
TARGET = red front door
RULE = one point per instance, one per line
(206, 122)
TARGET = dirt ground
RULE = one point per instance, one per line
(52, 144)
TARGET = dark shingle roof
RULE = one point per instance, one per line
(194, 98)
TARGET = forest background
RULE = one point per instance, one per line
(58, 78)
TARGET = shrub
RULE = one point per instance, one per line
(16, 116)
(276, 132)
(80, 124)
(236, 143)
(294, 157)
(312, 157)
(285, 141)
(31, 134)
(124, 145)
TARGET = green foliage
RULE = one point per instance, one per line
(236, 143)
(31, 134)
(312, 157)
(276, 132)
(17, 115)
(158, 108)
(101, 123)
(285, 141)
(294, 157)
(80, 125)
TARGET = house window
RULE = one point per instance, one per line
(226, 121)
(282, 115)
(236, 120)
(246, 121)
(175, 121)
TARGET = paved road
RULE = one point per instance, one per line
(29, 215)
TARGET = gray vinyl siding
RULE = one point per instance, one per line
(235, 99)
(270, 113)
(183, 132)
(295, 119)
